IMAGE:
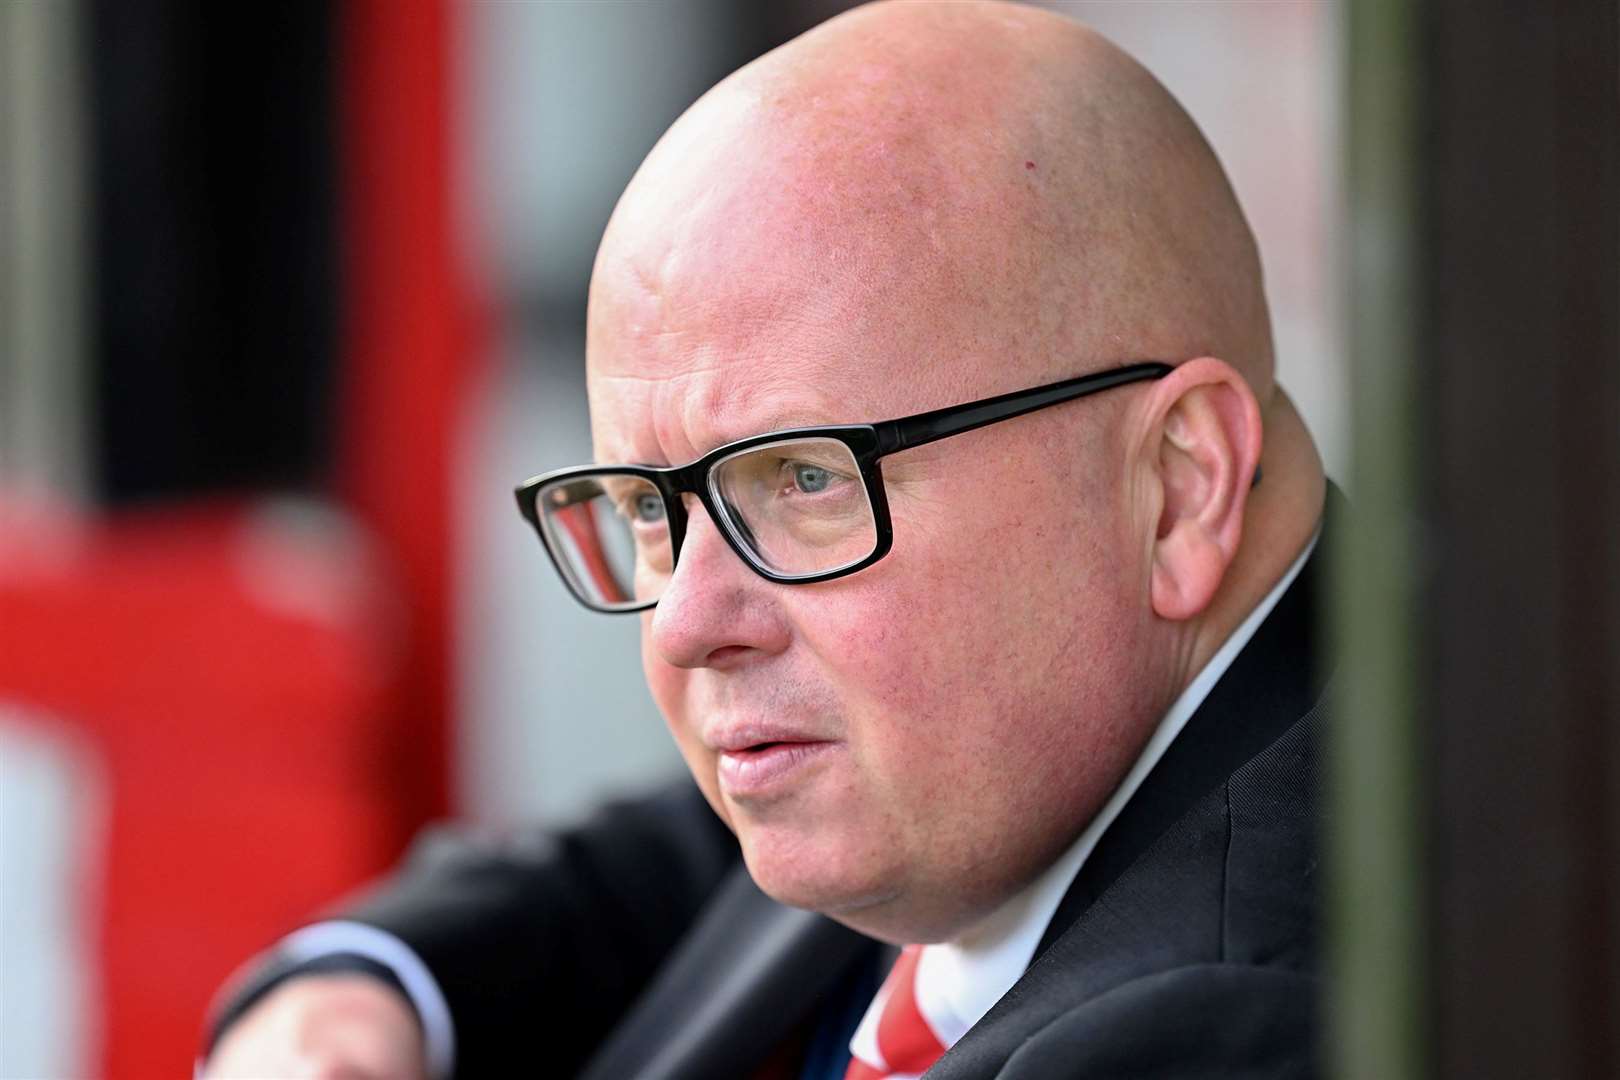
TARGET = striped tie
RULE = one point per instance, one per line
(906, 1044)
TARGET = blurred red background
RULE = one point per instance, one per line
(261, 678)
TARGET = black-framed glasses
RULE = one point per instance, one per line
(801, 505)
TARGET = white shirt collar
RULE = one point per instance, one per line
(958, 981)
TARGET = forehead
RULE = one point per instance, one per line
(674, 372)
(735, 317)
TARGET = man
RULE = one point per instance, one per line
(1037, 694)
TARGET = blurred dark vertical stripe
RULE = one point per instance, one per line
(213, 194)
(1519, 415)
(277, 303)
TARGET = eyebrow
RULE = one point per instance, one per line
(776, 420)
(782, 420)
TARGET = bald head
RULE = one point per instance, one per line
(992, 171)
(915, 206)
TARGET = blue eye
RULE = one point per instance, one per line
(811, 479)
(648, 508)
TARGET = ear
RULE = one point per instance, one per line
(1203, 442)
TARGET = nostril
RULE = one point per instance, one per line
(719, 657)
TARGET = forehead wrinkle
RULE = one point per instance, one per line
(674, 418)
(755, 399)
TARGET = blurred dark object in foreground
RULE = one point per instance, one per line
(1519, 415)
(215, 246)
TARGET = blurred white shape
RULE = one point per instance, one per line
(43, 417)
(52, 800)
(564, 99)
(305, 559)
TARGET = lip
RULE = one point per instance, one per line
(768, 768)
(724, 735)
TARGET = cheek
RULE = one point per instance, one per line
(669, 686)
(661, 678)
(965, 636)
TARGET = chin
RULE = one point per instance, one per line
(814, 876)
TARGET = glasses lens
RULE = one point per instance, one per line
(799, 505)
(609, 536)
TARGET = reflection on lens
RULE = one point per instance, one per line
(609, 535)
(799, 505)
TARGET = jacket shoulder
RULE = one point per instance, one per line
(1201, 1020)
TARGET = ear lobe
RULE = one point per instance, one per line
(1207, 442)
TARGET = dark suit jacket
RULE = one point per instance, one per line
(1186, 946)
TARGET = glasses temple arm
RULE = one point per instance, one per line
(923, 428)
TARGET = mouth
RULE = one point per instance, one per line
(770, 768)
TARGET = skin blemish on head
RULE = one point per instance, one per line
(1029, 165)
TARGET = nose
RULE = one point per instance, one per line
(714, 611)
